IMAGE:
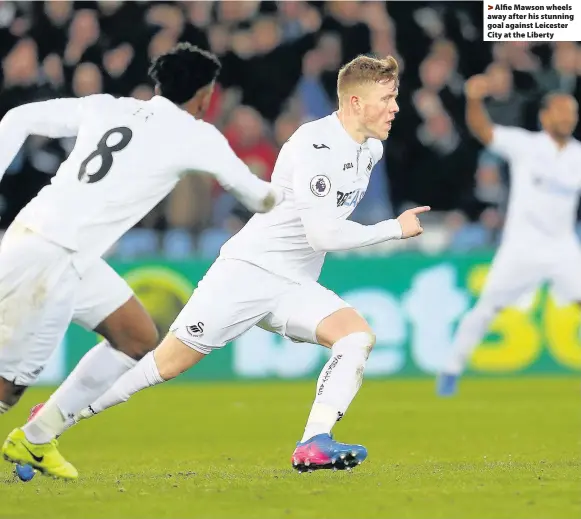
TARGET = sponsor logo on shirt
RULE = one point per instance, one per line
(352, 198)
(553, 186)
(348, 165)
(370, 165)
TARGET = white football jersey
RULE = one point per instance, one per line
(129, 154)
(545, 187)
(324, 174)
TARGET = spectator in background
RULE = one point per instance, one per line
(219, 39)
(168, 18)
(233, 13)
(246, 133)
(142, 92)
(330, 50)
(345, 19)
(450, 162)
(199, 14)
(469, 236)
(53, 74)
(87, 80)
(490, 190)
(222, 103)
(260, 51)
(383, 31)
(20, 67)
(447, 51)
(113, 16)
(21, 76)
(120, 75)
(280, 63)
(562, 76)
(517, 56)
(83, 44)
(50, 31)
(285, 125)
(432, 135)
(317, 94)
(290, 20)
(505, 105)
(162, 42)
(436, 73)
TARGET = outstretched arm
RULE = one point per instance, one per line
(325, 226)
(54, 118)
(506, 141)
(212, 154)
(476, 115)
(327, 234)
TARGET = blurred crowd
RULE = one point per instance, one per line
(280, 61)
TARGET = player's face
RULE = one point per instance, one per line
(561, 116)
(379, 107)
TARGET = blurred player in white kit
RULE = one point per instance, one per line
(128, 156)
(266, 275)
(539, 241)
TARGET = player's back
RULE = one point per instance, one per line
(321, 165)
(128, 156)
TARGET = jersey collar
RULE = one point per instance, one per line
(553, 144)
(157, 99)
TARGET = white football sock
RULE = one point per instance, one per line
(144, 374)
(40, 428)
(4, 407)
(96, 372)
(469, 334)
(338, 382)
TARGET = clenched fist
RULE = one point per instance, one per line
(476, 87)
(410, 223)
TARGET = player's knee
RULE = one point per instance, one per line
(136, 341)
(10, 393)
(361, 333)
(343, 323)
(143, 342)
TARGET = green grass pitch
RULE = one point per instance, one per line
(501, 449)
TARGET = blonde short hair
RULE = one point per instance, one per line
(366, 70)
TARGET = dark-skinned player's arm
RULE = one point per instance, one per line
(504, 140)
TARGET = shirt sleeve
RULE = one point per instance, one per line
(316, 201)
(54, 118)
(509, 142)
(211, 153)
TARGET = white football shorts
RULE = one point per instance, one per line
(235, 295)
(518, 271)
(40, 293)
